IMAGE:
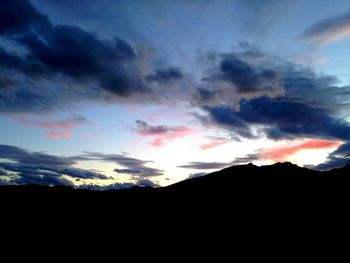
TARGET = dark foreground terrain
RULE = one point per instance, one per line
(275, 185)
(245, 201)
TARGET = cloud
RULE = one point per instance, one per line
(307, 104)
(25, 167)
(69, 123)
(281, 118)
(282, 153)
(141, 182)
(247, 73)
(328, 30)
(212, 144)
(195, 175)
(19, 166)
(59, 135)
(55, 128)
(165, 75)
(219, 165)
(260, 17)
(132, 166)
(127, 171)
(244, 78)
(204, 165)
(161, 133)
(88, 67)
(26, 158)
(21, 16)
(249, 158)
(336, 159)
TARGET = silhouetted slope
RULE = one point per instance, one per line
(245, 177)
(273, 183)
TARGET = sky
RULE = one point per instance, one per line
(112, 94)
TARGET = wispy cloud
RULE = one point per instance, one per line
(55, 128)
(204, 165)
(131, 166)
(212, 144)
(59, 135)
(219, 165)
(162, 133)
(69, 123)
(328, 30)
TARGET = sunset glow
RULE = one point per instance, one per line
(115, 94)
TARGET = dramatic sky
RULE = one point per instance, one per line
(110, 94)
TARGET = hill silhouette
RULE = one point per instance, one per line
(280, 195)
(280, 181)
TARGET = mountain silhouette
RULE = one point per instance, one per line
(278, 195)
(280, 180)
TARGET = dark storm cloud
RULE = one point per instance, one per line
(329, 29)
(226, 117)
(165, 75)
(68, 53)
(282, 118)
(132, 166)
(307, 104)
(21, 16)
(243, 76)
(245, 73)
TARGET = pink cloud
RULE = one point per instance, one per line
(61, 124)
(282, 153)
(59, 135)
(162, 133)
(212, 144)
(177, 132)
(56, 128)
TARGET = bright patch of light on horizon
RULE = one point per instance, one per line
(310, 157)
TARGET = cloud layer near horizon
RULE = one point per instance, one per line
(19, 166)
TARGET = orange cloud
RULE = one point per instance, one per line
(212, 144)
(282, 153)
